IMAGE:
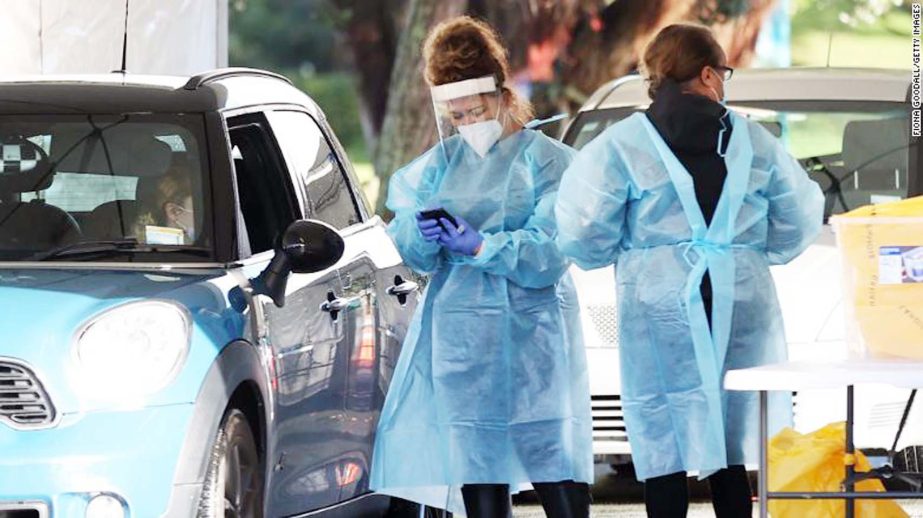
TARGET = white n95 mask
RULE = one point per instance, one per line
(481, 136)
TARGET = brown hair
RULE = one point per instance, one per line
(173, 187)
(465, 48)
(679, 52)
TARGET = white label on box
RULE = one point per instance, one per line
(890, 266)
(900, 264)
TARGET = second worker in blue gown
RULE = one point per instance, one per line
(692, 203)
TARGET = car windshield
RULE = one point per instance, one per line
(857, 151)
(116, 188)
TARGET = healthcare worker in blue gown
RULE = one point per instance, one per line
(692, 203)
(490, 392)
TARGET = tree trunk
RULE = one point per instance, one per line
(409, 126)
(597, 56)
(738, 35)
(372, 33)
(564, 49)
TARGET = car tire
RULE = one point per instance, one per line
(401, 508)
(233, 485)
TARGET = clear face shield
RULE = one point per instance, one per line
(472, 109)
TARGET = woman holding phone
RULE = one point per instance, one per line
(490, 393)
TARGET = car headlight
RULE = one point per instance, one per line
(131, 350)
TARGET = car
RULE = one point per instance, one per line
(850, 130)
(200, 313)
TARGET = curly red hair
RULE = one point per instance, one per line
(466, 48)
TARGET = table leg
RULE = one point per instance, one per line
(764, 455)
(849, 485)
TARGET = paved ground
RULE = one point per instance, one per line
(621, 497)
(698, 510)
(611, 511)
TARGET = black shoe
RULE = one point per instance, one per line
(567, 499)
(487, 500)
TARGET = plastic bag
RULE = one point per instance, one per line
(816, 462)
(882, 250)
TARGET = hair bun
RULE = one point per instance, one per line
(678, 53)
(464, 48)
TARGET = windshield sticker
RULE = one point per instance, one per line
(900, 264)
(154, 235)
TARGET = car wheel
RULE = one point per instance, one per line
(401, 508)
(233, 486)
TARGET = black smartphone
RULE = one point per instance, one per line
(436, 214)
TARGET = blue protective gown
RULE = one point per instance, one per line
(491, 385)
(627, 200)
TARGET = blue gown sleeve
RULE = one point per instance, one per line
(407, 189)
(529, 256)
(591, 205)
(796, 208)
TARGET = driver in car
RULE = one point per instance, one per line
(171, 221)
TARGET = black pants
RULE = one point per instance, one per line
(668, 496)
(566, 499)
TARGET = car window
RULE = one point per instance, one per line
(313, 164)
(857, 151)
(83, 192)
(264, 192)
(74, 179)
(589, 125)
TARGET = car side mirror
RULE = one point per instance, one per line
(306, 246)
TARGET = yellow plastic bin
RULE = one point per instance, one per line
(882, 251)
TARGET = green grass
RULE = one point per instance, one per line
(886, 44)
(367, 180)
(850, 50)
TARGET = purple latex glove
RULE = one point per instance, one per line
(429, 228)
(462, 239)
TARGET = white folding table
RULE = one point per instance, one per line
(793, 376)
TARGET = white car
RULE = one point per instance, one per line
(850, 129)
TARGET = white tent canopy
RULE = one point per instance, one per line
(175, 37)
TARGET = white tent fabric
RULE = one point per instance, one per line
(170, 37)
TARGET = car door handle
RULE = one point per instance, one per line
(402, 289)
(334, 304)
(405, 288)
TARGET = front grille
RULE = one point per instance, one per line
(605, 319)
(23, 510)
(24, 403)
(608, 421)
(20, 513)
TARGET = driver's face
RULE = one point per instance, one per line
(180, 215)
